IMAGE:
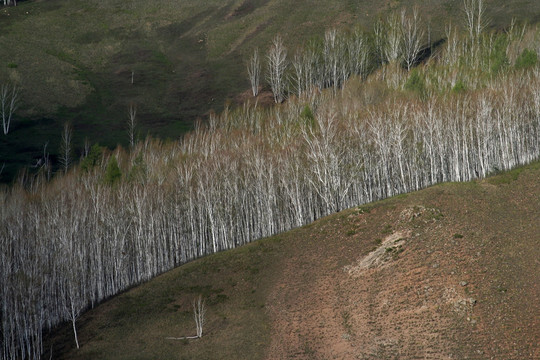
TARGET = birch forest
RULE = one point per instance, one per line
(361, 116)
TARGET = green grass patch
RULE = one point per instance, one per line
(506, 177)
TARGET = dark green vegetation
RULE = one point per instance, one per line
(472, 240)
(74, 60)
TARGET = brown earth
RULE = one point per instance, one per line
(451, 272)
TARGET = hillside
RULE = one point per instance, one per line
(84, 62)
(365, 116)
(449, 272)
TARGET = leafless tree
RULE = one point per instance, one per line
(132, 124)
(277, 64)
(475, 18)
(199, 315)
(379, 39)
(393, 39)
(475, 23)
(65, 147)
(359, 54)
(412, 36)
(43, 164)
(9, 101)
(73, 315)
(307, 69)
(331, 58)
(254, 72)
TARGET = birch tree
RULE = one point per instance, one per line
(393, 39)
(254, 72)
(9, 102)
(475, 24)
(359, 54)
(65, 147)
(199, 314)
(331, 58)
(277, 65)
(132, 124)
(411, 37)
(475, 20)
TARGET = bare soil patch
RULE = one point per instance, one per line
(447, 273)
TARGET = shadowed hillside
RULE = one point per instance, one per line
(86, 61)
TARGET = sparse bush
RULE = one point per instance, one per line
(527, 59)
(387, 229)
(416, 83)
(112, 173)
(93, 158)
(497, 59)
(307, 116)
(459, 87)
(139, 170)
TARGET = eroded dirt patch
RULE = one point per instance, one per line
(391, 246)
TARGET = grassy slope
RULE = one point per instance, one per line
(74, 59)
(303, 294)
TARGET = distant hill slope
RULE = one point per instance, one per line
(449, 272)
(86, 61)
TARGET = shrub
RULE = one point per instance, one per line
(527, 59)
(93, 158)
(139, 170)
(416, 83)
(113, 173)
(307, 116)
(498, 59)
(459, 87)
